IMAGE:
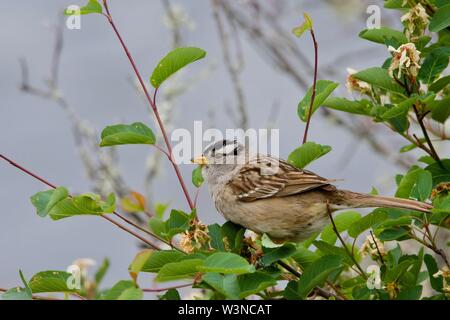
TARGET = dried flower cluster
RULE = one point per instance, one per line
(405, 61)
(416, 21)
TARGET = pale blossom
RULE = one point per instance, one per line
(356, 85)
(416, 21)
(405, 59)
(369, 247)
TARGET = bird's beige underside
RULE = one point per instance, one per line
(285, 202)
(292, 218)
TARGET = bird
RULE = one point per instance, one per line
(271, 196)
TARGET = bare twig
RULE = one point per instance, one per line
(313, 95)
(432, 152)
(344, 245)
(152, 104)
(376, 246)
(165, 289)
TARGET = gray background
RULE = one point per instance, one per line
(95, 79)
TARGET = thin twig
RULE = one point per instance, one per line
(165, 289)
(427, 137)
(376, 246)
(313, 96)
(361, 271)
(433, 248)
(152, 104)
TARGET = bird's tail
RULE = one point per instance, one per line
(361, 200)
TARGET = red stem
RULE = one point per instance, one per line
(313, 96)
(165, 289)
(152, 104)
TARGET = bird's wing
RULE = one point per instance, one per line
(265, 177)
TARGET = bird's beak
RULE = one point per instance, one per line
(201, 160)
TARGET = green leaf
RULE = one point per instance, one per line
(25, 283)
(413, 293)
(432, 267)
(395, 4)
(323, 89)
(227, 263)
(317, 273)
(366, 222)
(400, 109)
(157, 259)
(254, 282)
(58, 204)
(439, 84)
(197, 178)
(411, 146)
(100, 274)
(51, 281)
(306, 25)
(215, 234)
(174, 61)
(123, 290)
(440, 19)
(380, 35)
(307, 153)
(291, 291)
(160, 208)
(238, 287)
(440, 174)
(415, 270)
(179, 270)
(305, 257)
(138, 263)
(396, 272)
(407, 183)
(234, 235)
(396, 233)
(227, 285)
(91, 7)
(328, 249)
(18, 293)
(440, 110)
(272, 255)
(177, 222)
(171, 294)
(379, 77)
(135, 133)
(361, 107)
(434, 64)
(266, 242)
(44, 201)
(424, 184)
(343, 221)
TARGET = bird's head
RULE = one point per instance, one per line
(223, 152)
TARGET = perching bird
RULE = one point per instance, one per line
(268, 195)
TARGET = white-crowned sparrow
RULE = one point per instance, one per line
(268, 195)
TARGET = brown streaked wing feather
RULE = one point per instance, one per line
(260, 179)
